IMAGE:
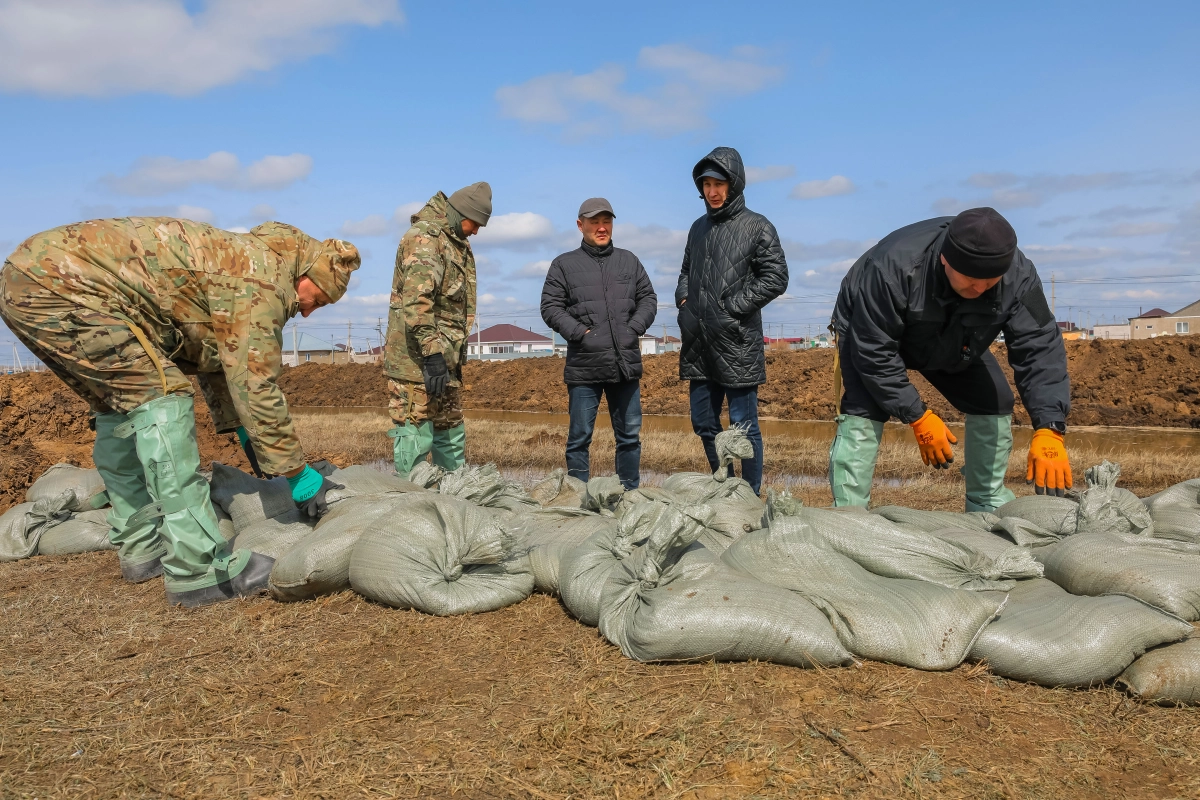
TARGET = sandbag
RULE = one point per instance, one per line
(275, 536)
(559, 489)
(224, 523)
(485, 486)
(86, 484)
(1168, 675)
(361, 480)
(585, 569)
(694, 487)
(425, 474)
(1175, 512)
(548, 535)
(1104, 507)
(319, 563)
(1058, 515)
(1045, 635)
(781, 504)
(1160, 572)
(992, 545)
(910, 622)
(731, 520)
(442, 556)
(603, 494)
(23, 525)
(85, 532)
(673, 600)
(930, 521)
(247, 499)
(888, 550)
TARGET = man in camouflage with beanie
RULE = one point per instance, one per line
(122, 310)
(432, 311)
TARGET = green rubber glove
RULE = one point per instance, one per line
(308, 491)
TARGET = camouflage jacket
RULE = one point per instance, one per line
(433, 296)
(214, 302)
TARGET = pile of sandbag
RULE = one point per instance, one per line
(63, 513)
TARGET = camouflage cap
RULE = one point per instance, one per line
(328, 264)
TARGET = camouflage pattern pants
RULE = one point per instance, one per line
(97, 354)
(409, 403)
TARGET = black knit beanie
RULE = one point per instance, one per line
(980, 244)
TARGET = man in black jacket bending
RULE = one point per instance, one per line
(733, 265)
(932, 297)
(600, 300)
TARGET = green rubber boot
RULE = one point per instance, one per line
(450, 447)
(852, 460)
(988, 446)
(198, 567)
(140, 550)
(411, 443)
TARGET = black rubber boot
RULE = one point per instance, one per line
(140, 573)
(250, 581)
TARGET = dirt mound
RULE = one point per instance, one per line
(335, 385)
(42, 423)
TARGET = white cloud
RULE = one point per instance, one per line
(1133, 294)
(799, 252)
(683, 84)
(534, 269)
(772, 173)
(518, 230)
(1121, 230)
(651, 242)
(372, 225)
(366, 300)
(152, 175)
(404, 212)
(831, 187)
(195, 213)
(1007, 190)
(487, 298)
(109, 47)
(809, 273)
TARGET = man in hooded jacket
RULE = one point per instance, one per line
(122, 310)
(733, 265)
(432, 310)
(932, 297)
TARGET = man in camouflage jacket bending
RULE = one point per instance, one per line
(432, 310)
(122, 310)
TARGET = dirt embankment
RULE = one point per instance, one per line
(1154, 382)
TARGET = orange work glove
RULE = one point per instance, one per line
(1049, 469)
(934, 439)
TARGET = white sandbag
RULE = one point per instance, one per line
(886, 549)
(425, 474)
(1058, 515)
(910, 622)
(603, 494)
(247, 499)
(275, 536)
(85, 532)
(992, 545)
(1104, 507)
(441, 556)
(86, 484)
(1175, 512)
(695, 487)
(731, 520)
(485, 486)
(1168, 675)
(1160, 572)
(559, 489)
(1045, 635)
(319, 563)
(23, 525)
(672, 600)
(548, 535)
(361, 480)
(585, 569)
(930, 521)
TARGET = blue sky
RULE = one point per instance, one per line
(1078, 121)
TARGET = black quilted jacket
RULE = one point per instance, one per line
(601, 300)
(733, 265)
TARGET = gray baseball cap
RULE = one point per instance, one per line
(713, 172)
(595, 205)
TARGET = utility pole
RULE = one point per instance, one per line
(295, 343)
(379, 330)
(349, 346)
(1053, 308)
(17, 358)
(479, 332)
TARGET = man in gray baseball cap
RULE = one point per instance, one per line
(600, 299)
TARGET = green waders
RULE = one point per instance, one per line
(450, 447)
(140, 549)
(196, 558)
(852, 459)
(988, 446)
(411, 443)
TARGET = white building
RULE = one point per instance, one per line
(508, 341)
(1111, 331)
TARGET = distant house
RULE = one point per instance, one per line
(1184, 321)
(508, 341)
(1111, 331)
(1148, 325)
(304, 348)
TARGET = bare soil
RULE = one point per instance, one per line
(1151, 382)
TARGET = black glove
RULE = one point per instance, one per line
(437, 377)
(315, 506)
(253, 459)
(324, 467)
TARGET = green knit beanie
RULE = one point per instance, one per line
(474, 202)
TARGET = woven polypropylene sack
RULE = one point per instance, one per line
(86, 484)
(675, 601)
(550, 534)
(1168, 675)
(1163, 573)
(425, 474)
(694, 487)
(559, 490)
(585, 569)
(992, 545)
(1058, 515)
(248, 500)
(731, 520)
(224, 523)
(930, 521)
(485, 486)
(275, 536)
(886, 549)
(603, 494)
(319, 563)
(23, 525)
(361, 480)
(1045, 635)
(1176, 512)
(914, 623)
(1105, 507)
(85, 532)
(442, 556)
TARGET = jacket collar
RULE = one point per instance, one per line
(731, 209)
(597, 252)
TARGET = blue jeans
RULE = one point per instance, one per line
(706, 400)
(625, 411)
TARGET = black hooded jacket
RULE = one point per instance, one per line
(733, 265)
(897, 308)
(606, 290)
